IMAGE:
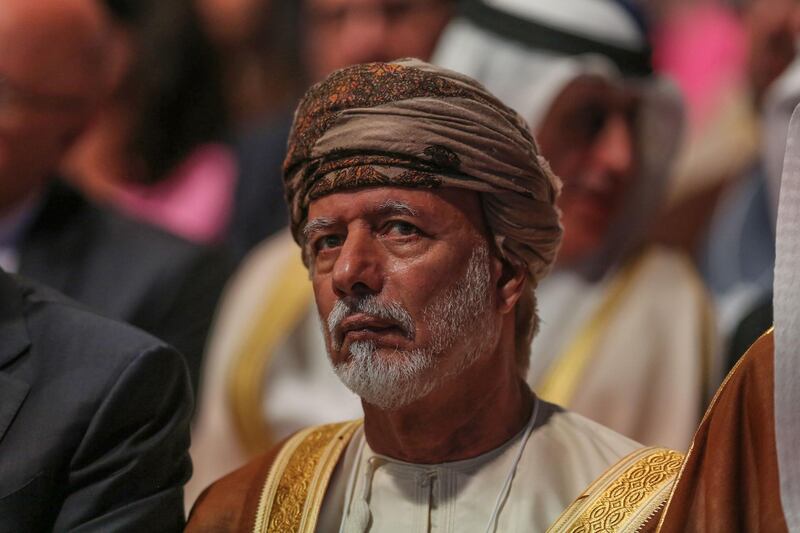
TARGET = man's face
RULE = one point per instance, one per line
(36, 128)
(45, 96)
(231, 22)
(587, 135)
(340, 33)
(402, 279)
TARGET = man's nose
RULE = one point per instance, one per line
(357, 269)
(614, 151)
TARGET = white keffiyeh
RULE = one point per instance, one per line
(787, 329)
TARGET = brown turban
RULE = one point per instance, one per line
(411, 124)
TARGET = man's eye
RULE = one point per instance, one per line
(402, 228)
(327, 242)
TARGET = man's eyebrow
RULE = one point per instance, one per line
(395, 207)
(318, 224)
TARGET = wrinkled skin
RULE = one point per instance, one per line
(361, 242)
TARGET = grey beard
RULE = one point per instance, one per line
(393, 380)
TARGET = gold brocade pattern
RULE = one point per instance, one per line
(295, 486)
(290, 498)
(628, 493)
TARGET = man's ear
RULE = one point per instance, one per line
(511, 279)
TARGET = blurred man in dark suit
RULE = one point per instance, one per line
(53, 64)
(94, 419)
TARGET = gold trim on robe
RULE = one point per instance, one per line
(292, 495)
(626, 497)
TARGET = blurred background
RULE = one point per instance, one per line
(189, 134)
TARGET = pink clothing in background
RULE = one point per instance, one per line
(194, 202)
(703, 47)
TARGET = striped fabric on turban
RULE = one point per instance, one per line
(411, 124)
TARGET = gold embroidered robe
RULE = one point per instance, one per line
(320, 484)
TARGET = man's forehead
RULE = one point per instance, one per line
(376, 200)
(441, 207)
(371, 200)
(53, 47)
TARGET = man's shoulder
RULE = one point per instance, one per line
(62, 326)
(120, 266)
(580, 438)
(590, 465)
(98, 396)
(569, 452)
(664, 281)
(230, 503)
(301, 466)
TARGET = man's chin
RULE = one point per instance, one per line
(385, 377)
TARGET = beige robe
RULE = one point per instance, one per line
(632, 352)
(570, 469)
(564, 454)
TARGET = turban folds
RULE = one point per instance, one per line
(410, 124)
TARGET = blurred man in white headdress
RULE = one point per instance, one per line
(579, 72)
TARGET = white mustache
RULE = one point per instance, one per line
(369, 305)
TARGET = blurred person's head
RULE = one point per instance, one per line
(771, 27)
(579, 72)
(52, 71)
(232, 23)
(339, 33)
(588, 136)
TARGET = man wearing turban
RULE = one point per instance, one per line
(426, 219)
(579, 72)
(267, 375)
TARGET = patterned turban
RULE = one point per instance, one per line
(411, 124)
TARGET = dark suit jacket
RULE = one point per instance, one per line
(126, 270)
(94, 419)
